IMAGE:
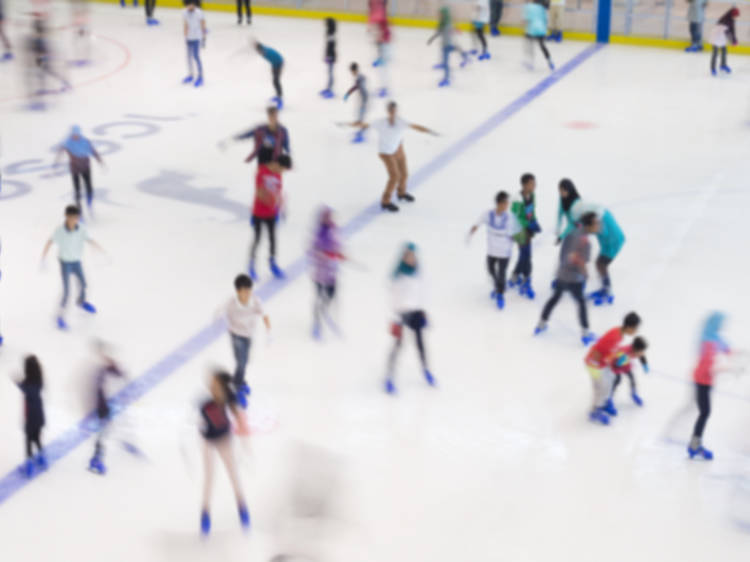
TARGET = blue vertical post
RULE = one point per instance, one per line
(603, 20)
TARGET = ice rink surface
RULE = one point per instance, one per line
(498, 463)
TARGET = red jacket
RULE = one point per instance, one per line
(267, 193)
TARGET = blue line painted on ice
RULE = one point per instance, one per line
(70, 439)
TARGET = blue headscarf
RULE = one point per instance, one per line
(712, 328)
(404, 268)
(80, 147)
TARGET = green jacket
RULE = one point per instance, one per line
(525, 212)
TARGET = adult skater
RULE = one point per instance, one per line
(496, 14)
(33, 411)
(696, 16)
(712, 344)
(105, 370)
(216, 430)
(248, 11)
(70, 238)
(575, 253)
(447, 46)
(723, 32)
(80, 150)
(391, 151)
(610, 237)
(325, 255)
(7, 48)
(271, 135)
(360, 86)
(622, 365)
(524, 208)
(502, 226)
(535, 16)
(194, 29)
(41, 56)
(277, 65)
(408, 294)
(150, 5)
(481, 19)
(330, 56)
(598, 363)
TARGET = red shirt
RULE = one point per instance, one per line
(267, 193)
(704, 370)
(606, 346)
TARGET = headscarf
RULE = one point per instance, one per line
(404, 268)
(712, 328)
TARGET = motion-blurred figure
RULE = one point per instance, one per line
(360, 85)
(105, 369)
(696, 16)
(723, 33)
(329, 56)
(80, 150)
(81, 32)
(33, 408)
(325, 255)
(276, 61)
(8, 52)
(41, 64)
(381, 30)
(446, 32)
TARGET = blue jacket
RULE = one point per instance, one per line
(536, 19)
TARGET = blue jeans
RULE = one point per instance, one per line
(194, 48)
(241, 349)
(67, 268)
(696, 33)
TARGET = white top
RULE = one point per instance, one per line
(70, 242)
(194, 19)
(242, 318)
(500, 232)
(483, 11)
(408, 293)
(390, 136)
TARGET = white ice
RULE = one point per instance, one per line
(499, 462)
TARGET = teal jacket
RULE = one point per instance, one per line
(536, 19)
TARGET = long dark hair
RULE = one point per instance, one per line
(32, 372)
(226, 384)
(572, 193)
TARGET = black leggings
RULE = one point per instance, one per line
(276, 77)
(415, 321)
(703, 398)
(149, 5)
(497, 267)
(479, 30)
(32, 438)
(258, 223)
(248, 11)
(540, 40)
(629, 374)
(576, 290)
(714, 53)
(86, 175)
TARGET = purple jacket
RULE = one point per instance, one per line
(325, 254)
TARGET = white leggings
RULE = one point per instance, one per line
(601, 380)
(223, 446)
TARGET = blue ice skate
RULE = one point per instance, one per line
(1, 340)
(514, 281)
(637, 399)
(244, 389)
(27, 468)
(551, 65)
(6, 56)
(251, 271)
(359, 137)
(390, 388)
(327, 94)
(540, 328)
(494, 31)
(429, 378)
(61, 323)
(444, 82)
(526, 290)
(205, 523)
(601, 297)
(41, 462)
(701, 452)
(241, 400)
(377, 62)
(199, 82)
(152, 21)
(88, 307)
(500, 301)
(725, 68)
(588, 338)
(484, 56)
(598, 416)
(275, 269)
(713, 72)
(383, 92)
(316, 332)
(279, 102)
(439, 66)
(187, 80)
(464, 60)
(609, 408)
(97, 466)
(244, 517)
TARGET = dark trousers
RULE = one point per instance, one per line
(631, 378)
(497, 267)
(496, 12)
(479, 30)
(32, 438)
(68, 268)
(248, 11)
(258, 223)
(149, 5)
(415, 321)
(523, 265)
(703, 398)
(542, 44)
(714, 54)
(576, 290)
(241, 351)
(276, 77)
(330, 75)
(84, 175)
(324, 295)
(696, 33)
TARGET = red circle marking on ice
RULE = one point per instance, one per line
(581, 125)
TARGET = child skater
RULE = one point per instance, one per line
(723, 32)
(106, 369)
(277, 65)
(360, 86)
(610, 237)
(407, 291)
(502, 226)
(712, 344)
(70, 238)
(325, 255)
(216, 430)
(33, 407)
(621, 365)
(575, 253)
(80, 150)
(535, 16)
(598, 363)
(241, 314)
(445, 32)
(330, 56)
(525, 211)
(267, 205)
(194, 28)
(481, 18)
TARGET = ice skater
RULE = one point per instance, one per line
(382, 31)
(267, 206)
(33, 411)
(248, 11)
(325, 255)
(496, 14)
(216, 430)
(524, 208)
(42, 67)
(277, 65)
(360, 86)
(502, 226)
(81, 33)
(241, 314)
(272, 135)
(80, 150)
(194, 29)
(408, 294)
(610, 236)
(106, 368)
(575, 253)
(391, 151)
(723, 32)
(7, 48)
(711, 345)
(696, 16)
(599, 362)
(330, 56)
(445, 31)
(481, 19)
(622, 365)
(70, 238)
(535, 16)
